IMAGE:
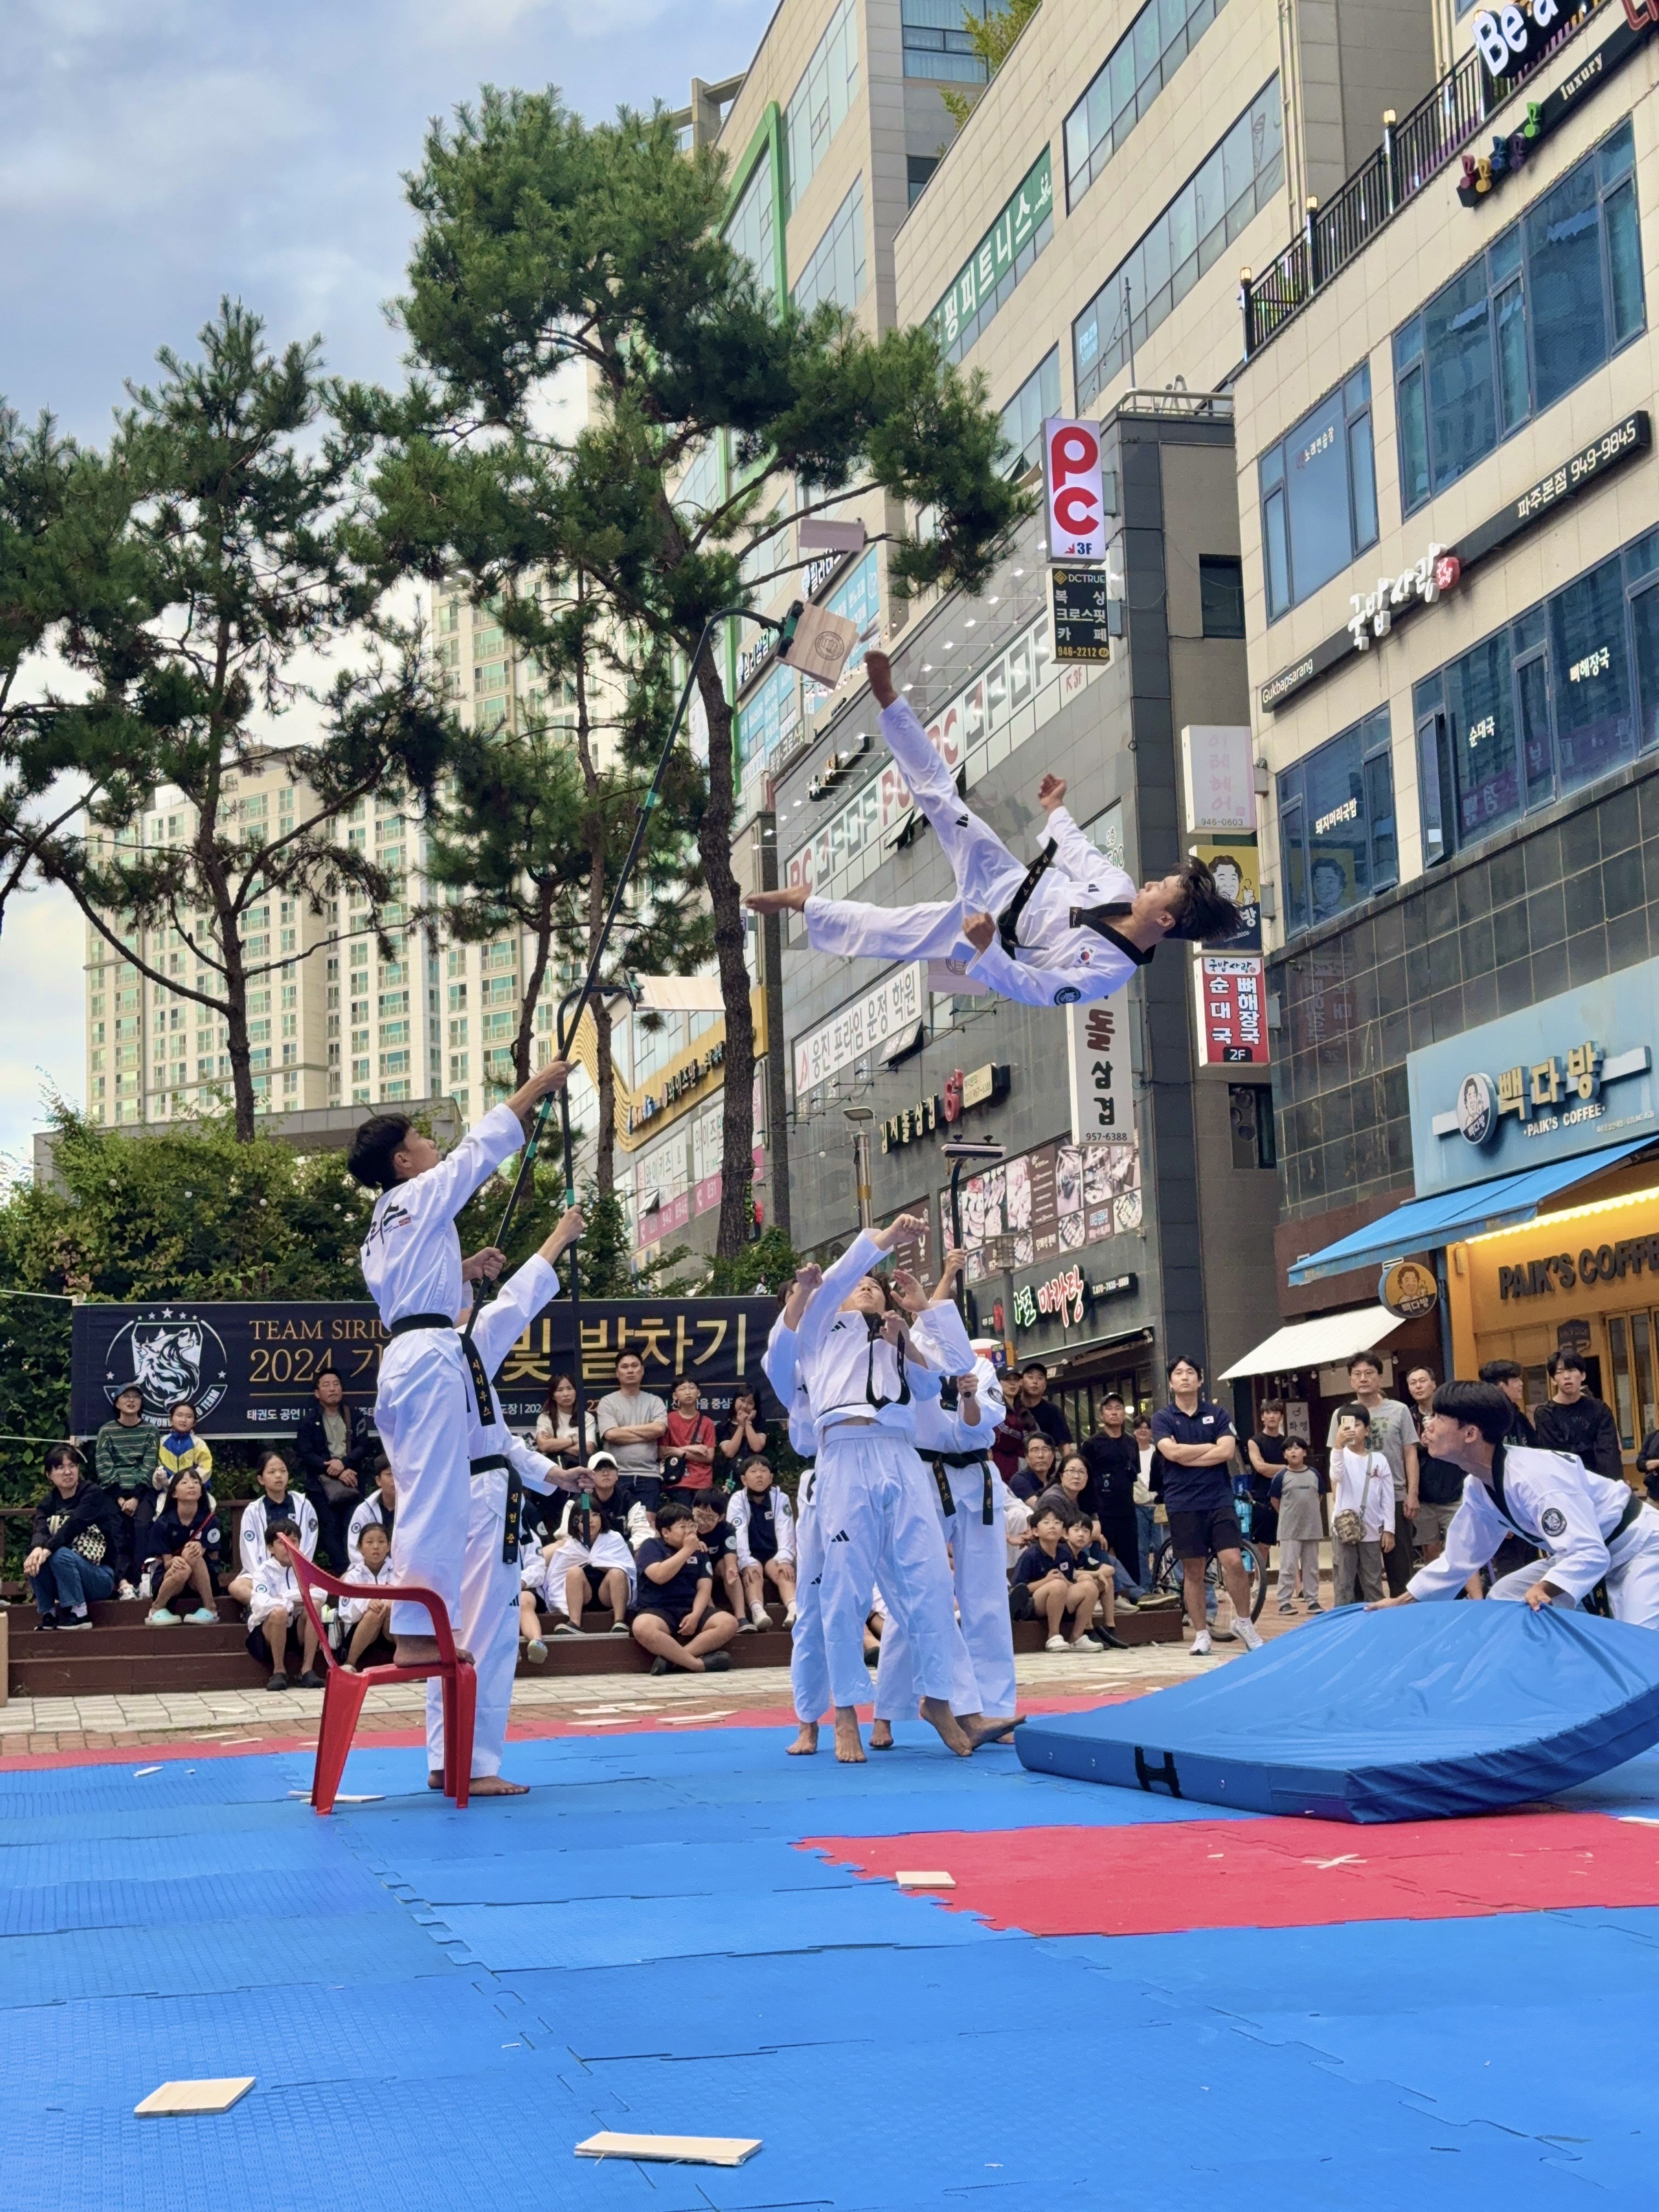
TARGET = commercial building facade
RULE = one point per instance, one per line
(1447, 499)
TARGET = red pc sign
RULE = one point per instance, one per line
(1072, 491)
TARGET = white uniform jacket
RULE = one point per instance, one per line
(1549, 1499)
(411, 1256)
(847, 1370)
(258, 1516)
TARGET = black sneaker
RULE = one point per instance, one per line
(278, 1682)
(311, 1680)
(47, 1620)
(660, 1665)
(1113, 1642)
(74, 1619)
(718, 1662)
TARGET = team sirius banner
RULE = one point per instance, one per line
(249, 1369)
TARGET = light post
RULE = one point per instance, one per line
(864, 1190)
(959, 1151)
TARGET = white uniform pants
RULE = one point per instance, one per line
(878, 1514)
(486, 1626)
(1632, 1579)
(422, 1413)
(980, 1556)
(809, 1665)
(897, 1692)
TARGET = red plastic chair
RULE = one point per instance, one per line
(344, 1689)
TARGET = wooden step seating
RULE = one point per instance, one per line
(120, 1654)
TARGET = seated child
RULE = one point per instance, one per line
(763, 1522)
(589, 1563)
(1092, 1555)
(366, 1620)
(675, 1621)
(1047, 1585)
(379, 1507)
(533, 1549)
(184, 1552)
(274, 1607)
(720, 1540)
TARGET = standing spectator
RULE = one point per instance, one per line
(1047, 1586)
(1393, 1433)
(1362, 1508)
(1148, 1495)
(74, 1543)
(632, 1422)
(276, 1502)
(184, 1553)
(277, 1606)
(1113, 1459)
(1266, 1453)
(763, 1524)
(747, 1438)
(1010, 1437)
(1036, 1472)
(1511, 1378)
(1196, 1440)
(674, 1621)
(125, 1460)
(181, 1448)
(1439, 1483)
(689, 1443)
(1576, 1421)
(333, 1447)
(555, 1424)
(379, 1510)
(367, 1620)
(1297, 1489)
(1033, 1402)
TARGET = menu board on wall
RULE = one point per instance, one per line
(1056, 1198)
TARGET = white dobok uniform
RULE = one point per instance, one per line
(411, 1261)
(487, 1623)
(1590, 1529)
(809, 1668)
(352, 1609)
(738, 1515)
(371, 1514)
(276, 1589)
(256, 1517)
(1054, 965)
(875, 1503)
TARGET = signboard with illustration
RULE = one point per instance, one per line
(1058, 1197)
(1235, 865)
(1408, 1289)
(1550, 1082)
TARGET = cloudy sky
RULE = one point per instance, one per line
(157, 154)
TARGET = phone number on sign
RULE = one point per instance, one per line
(1583, 465)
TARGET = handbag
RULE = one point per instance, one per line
(1348, 1526)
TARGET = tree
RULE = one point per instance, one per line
(233, 484)
(535, 827)
(992, 37)
(545, 242)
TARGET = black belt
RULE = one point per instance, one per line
(947, 1503)
(1007, 920)
(513, 1533)
(470, 1353)
(988, 1510)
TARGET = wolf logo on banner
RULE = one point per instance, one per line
(169, 1355)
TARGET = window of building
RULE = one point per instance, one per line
(936, 44)
(918, 168)
(828, 88)
(1545, 304)
(1127, 83)
(1565, 693)
(1337, 837)
(1022, 418)
(751, 232)
(769, 719)
(1221, 594)
(1235, 182)
(836, 268)
(1318, 491)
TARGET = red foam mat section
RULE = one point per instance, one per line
(1165, 1877)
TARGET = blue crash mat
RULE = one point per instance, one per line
(1422, 1711)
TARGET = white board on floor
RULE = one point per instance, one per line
(690, 2151)
(175, 2098)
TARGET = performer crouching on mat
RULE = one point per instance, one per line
(411, 1261)
(1072, 927)
(957, 1444)
(502, 1466)
(1592, 1530)
(876, 1506)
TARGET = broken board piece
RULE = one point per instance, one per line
(691, 2150)
(908, 1879)
(174, 2098)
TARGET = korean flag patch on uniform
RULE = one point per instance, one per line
(1552, 1521)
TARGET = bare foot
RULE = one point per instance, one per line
(881, 1737)
(849, 1744)
(495, 1785)
(790, 899)
(435, 1779)
(980, 1730)
(938, 1715)
(421, 1650)
(806, 1742)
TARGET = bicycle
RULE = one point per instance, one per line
(1166, 1574)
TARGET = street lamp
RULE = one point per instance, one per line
(861, 1117)
(959, 1151)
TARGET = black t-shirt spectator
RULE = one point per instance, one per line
(1194, 1489)
(1034, 1563)
(1585, 1429)
(1050, 1420)
(1271, 1448)
(675, 1598)
(1114, 1464)
(88, 1522)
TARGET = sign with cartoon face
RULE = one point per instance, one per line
(1407, 1288)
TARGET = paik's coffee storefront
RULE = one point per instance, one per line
(1535, 1158)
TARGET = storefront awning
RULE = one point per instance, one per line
(1324, 1342)
(1427, 1223)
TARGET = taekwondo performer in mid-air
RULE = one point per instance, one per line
(1071, 926)
(1590, 1530)
(502, 1467)
(431, 1378)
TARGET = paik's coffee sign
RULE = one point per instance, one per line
(1564, 1077)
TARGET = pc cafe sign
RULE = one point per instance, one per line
(1077, 497)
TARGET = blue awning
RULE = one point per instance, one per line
(1425, 1223)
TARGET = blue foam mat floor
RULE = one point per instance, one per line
(438, 2006)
